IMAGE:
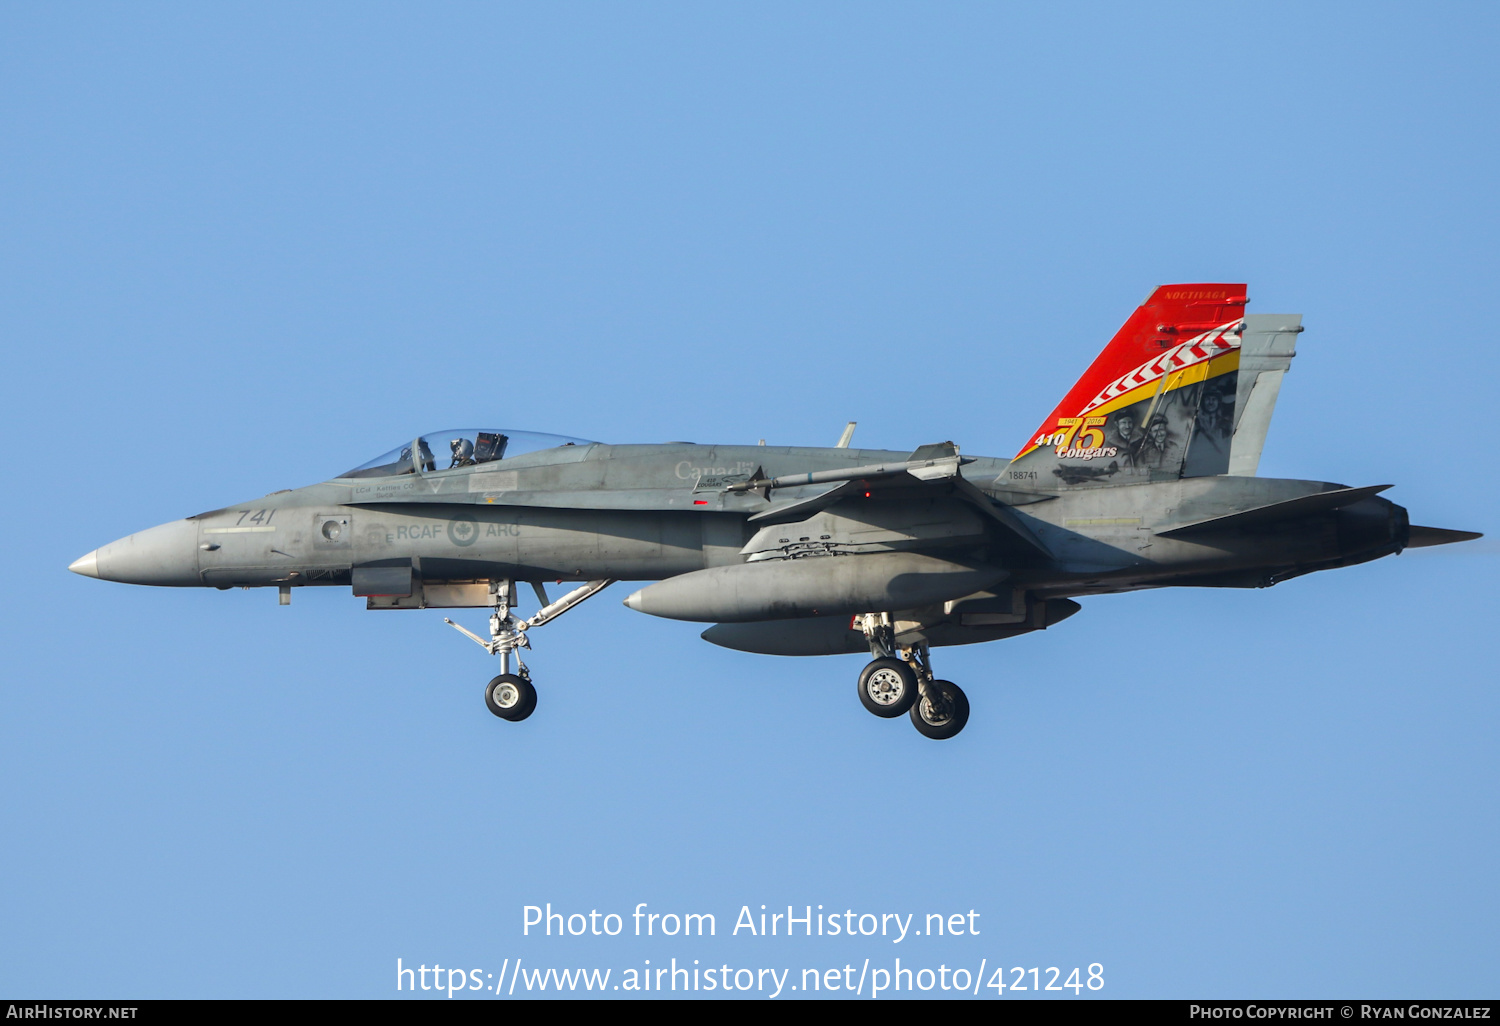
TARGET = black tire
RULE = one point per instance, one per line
(510, 697)
(948, 719)
(887, 687)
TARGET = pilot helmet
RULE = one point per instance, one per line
(462, 448)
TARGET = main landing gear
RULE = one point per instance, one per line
(511, 696)
(900, 680)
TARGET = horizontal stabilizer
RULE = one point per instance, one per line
(1291, 509)
(1421, 537)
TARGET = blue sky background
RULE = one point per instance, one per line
(245, 247)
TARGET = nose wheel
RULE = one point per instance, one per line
(510, 697)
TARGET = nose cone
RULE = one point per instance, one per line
(164, 555)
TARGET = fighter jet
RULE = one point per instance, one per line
(1143, 476)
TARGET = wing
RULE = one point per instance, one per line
(921, 503)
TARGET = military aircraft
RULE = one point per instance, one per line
(1143, 476)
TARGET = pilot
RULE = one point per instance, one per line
(463, 453)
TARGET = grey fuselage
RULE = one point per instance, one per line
(651, 512)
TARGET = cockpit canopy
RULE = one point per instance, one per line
(459, 447)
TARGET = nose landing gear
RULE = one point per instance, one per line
(511, 696)
(899, 680)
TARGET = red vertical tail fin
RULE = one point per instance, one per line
(1157, 403)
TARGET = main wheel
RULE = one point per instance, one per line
(510, 697)
(887, 687)
(941, 715)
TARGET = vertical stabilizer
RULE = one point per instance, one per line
(1266, 351)
(1156, 404)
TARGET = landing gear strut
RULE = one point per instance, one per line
(900, 680)
(511, 696)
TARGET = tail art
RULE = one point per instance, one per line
(1158, 402)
